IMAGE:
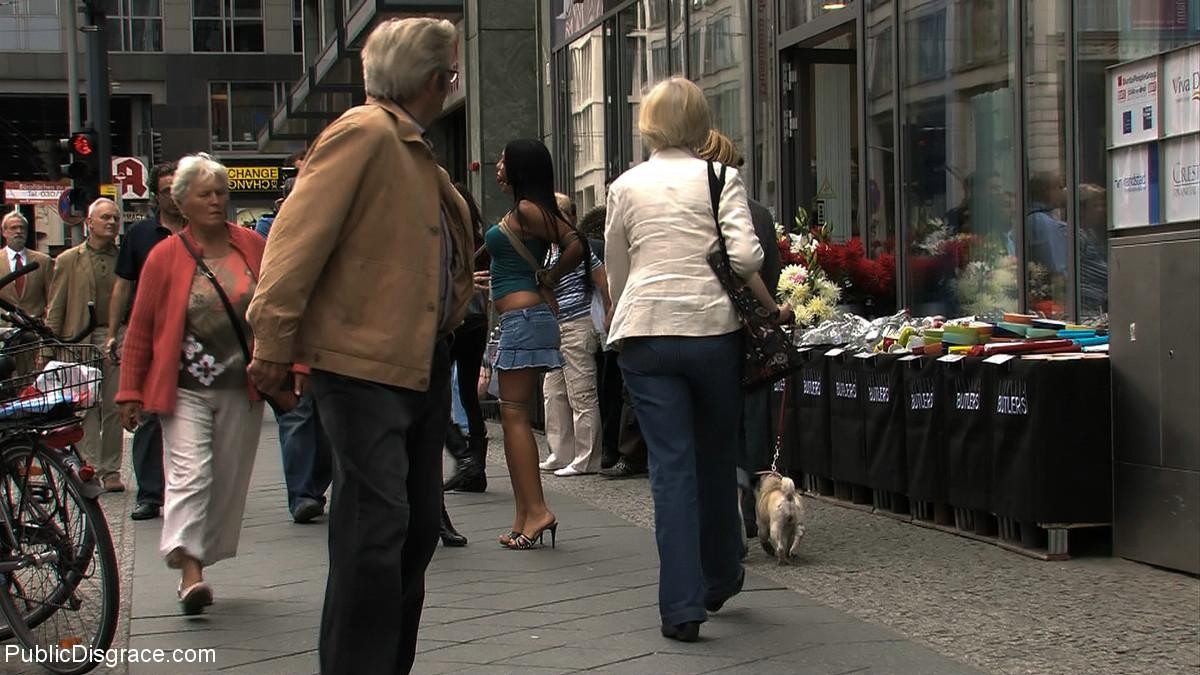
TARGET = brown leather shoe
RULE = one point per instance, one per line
(112, 483)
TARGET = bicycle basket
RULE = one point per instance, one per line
(46, 378)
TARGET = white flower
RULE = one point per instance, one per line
(206, 369)
(191, 347)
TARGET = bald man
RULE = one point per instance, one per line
(30, 291)
(85, 274)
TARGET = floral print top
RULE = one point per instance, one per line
(212, 355)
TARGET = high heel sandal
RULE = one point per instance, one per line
(522, 542)
(507, 539)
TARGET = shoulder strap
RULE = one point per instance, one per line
(520, 248)
(716, 186)
(229, 311)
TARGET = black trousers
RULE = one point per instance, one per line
(470, 341)
(384, 518)
(612, 399)
(148, 460)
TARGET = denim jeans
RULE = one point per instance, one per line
(148, 460)
(307, 458)
(687, 394)
(457, 412)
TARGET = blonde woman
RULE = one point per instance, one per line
(681, 350)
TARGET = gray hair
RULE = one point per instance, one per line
(103, 200)
(15, 214)
(401, 54)
(192, 167)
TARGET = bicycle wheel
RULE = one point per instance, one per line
(70, 601)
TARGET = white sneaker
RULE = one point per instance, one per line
(569, 471)
(550, 466)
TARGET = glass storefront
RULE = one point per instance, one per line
(962, 140)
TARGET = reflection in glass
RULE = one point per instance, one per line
(720, 63)
(797, 12)
(678, 35)
(1046, 236)
(880, 202)
(959, 157)
(585, 73)
(643, 63)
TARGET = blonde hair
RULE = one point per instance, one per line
(401, 54)
(566, 205)
(674, 115)
(192, 167)
(719, 148)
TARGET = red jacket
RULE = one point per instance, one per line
(154, 340)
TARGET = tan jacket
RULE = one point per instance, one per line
(74, 287)
(351, 276)
(37, 282)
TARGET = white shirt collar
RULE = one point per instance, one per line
(12, 256)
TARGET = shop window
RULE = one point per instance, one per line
(984, 30)
(1046, 223)
(722, 66)
(879, 226)
(678, 36)
(30, 26)
(137, 26)
(960, 165)
(643, 64)
(227, 26)
(298, 26)
(585, 101)
(238, 110)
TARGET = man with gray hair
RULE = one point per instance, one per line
(367, 273)
(30, 291)
(86, 274)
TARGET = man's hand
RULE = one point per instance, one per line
(131, 413)
(267, 375)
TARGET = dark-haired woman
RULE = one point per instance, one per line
(470, 340)
(529, 337)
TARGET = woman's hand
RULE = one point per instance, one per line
(131, 414)
(482, 281)
(786, 314)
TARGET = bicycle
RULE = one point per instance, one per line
(59, 581)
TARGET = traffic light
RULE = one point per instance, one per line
(156, 149)
(84, 169)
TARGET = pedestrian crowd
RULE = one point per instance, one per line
(616, 319)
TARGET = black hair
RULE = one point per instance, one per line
(482, 262)
(530, 173)
(592, 222)
(158, 171)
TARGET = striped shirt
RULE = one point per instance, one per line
(574, 302)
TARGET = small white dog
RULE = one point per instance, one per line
(780, 517)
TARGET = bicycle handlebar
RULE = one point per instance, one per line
(22, 320)
(11, 277)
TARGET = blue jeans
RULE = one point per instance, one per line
(687, 394)
(457, 412)
(307, 457)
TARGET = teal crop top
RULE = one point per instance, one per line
(510, 272)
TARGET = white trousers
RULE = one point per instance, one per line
(572, 402)
(209, 445)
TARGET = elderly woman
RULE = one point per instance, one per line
(681, 350)
(183, 360)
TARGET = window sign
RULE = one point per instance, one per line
(1134, 186)
(1181, 92)
(1134, 103)
(1181, 179)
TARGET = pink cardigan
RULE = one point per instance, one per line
(154, 340)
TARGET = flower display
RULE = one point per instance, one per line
(803, 283)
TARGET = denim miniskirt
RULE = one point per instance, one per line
(528, 339)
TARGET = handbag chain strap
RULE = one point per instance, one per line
(229, 310)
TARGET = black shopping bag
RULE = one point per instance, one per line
(968, 440)
(925, 446)
(811, 453)
(1052, 445)
(846, 426)
(882, 382)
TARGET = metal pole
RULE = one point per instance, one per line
(70, 45)
(98, 90)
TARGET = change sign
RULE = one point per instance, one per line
(253, 178)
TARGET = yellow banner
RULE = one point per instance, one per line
(253, 178)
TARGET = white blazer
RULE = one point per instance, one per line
(659, 230)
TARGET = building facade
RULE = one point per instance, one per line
(961, 141)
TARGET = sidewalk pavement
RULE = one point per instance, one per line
(588, 605)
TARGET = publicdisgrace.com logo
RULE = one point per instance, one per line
(111, 658)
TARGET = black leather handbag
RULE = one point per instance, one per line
(769, 352)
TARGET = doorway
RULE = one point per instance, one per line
(821, 130)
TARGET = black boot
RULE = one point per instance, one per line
(450, 536)
(469, 474)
